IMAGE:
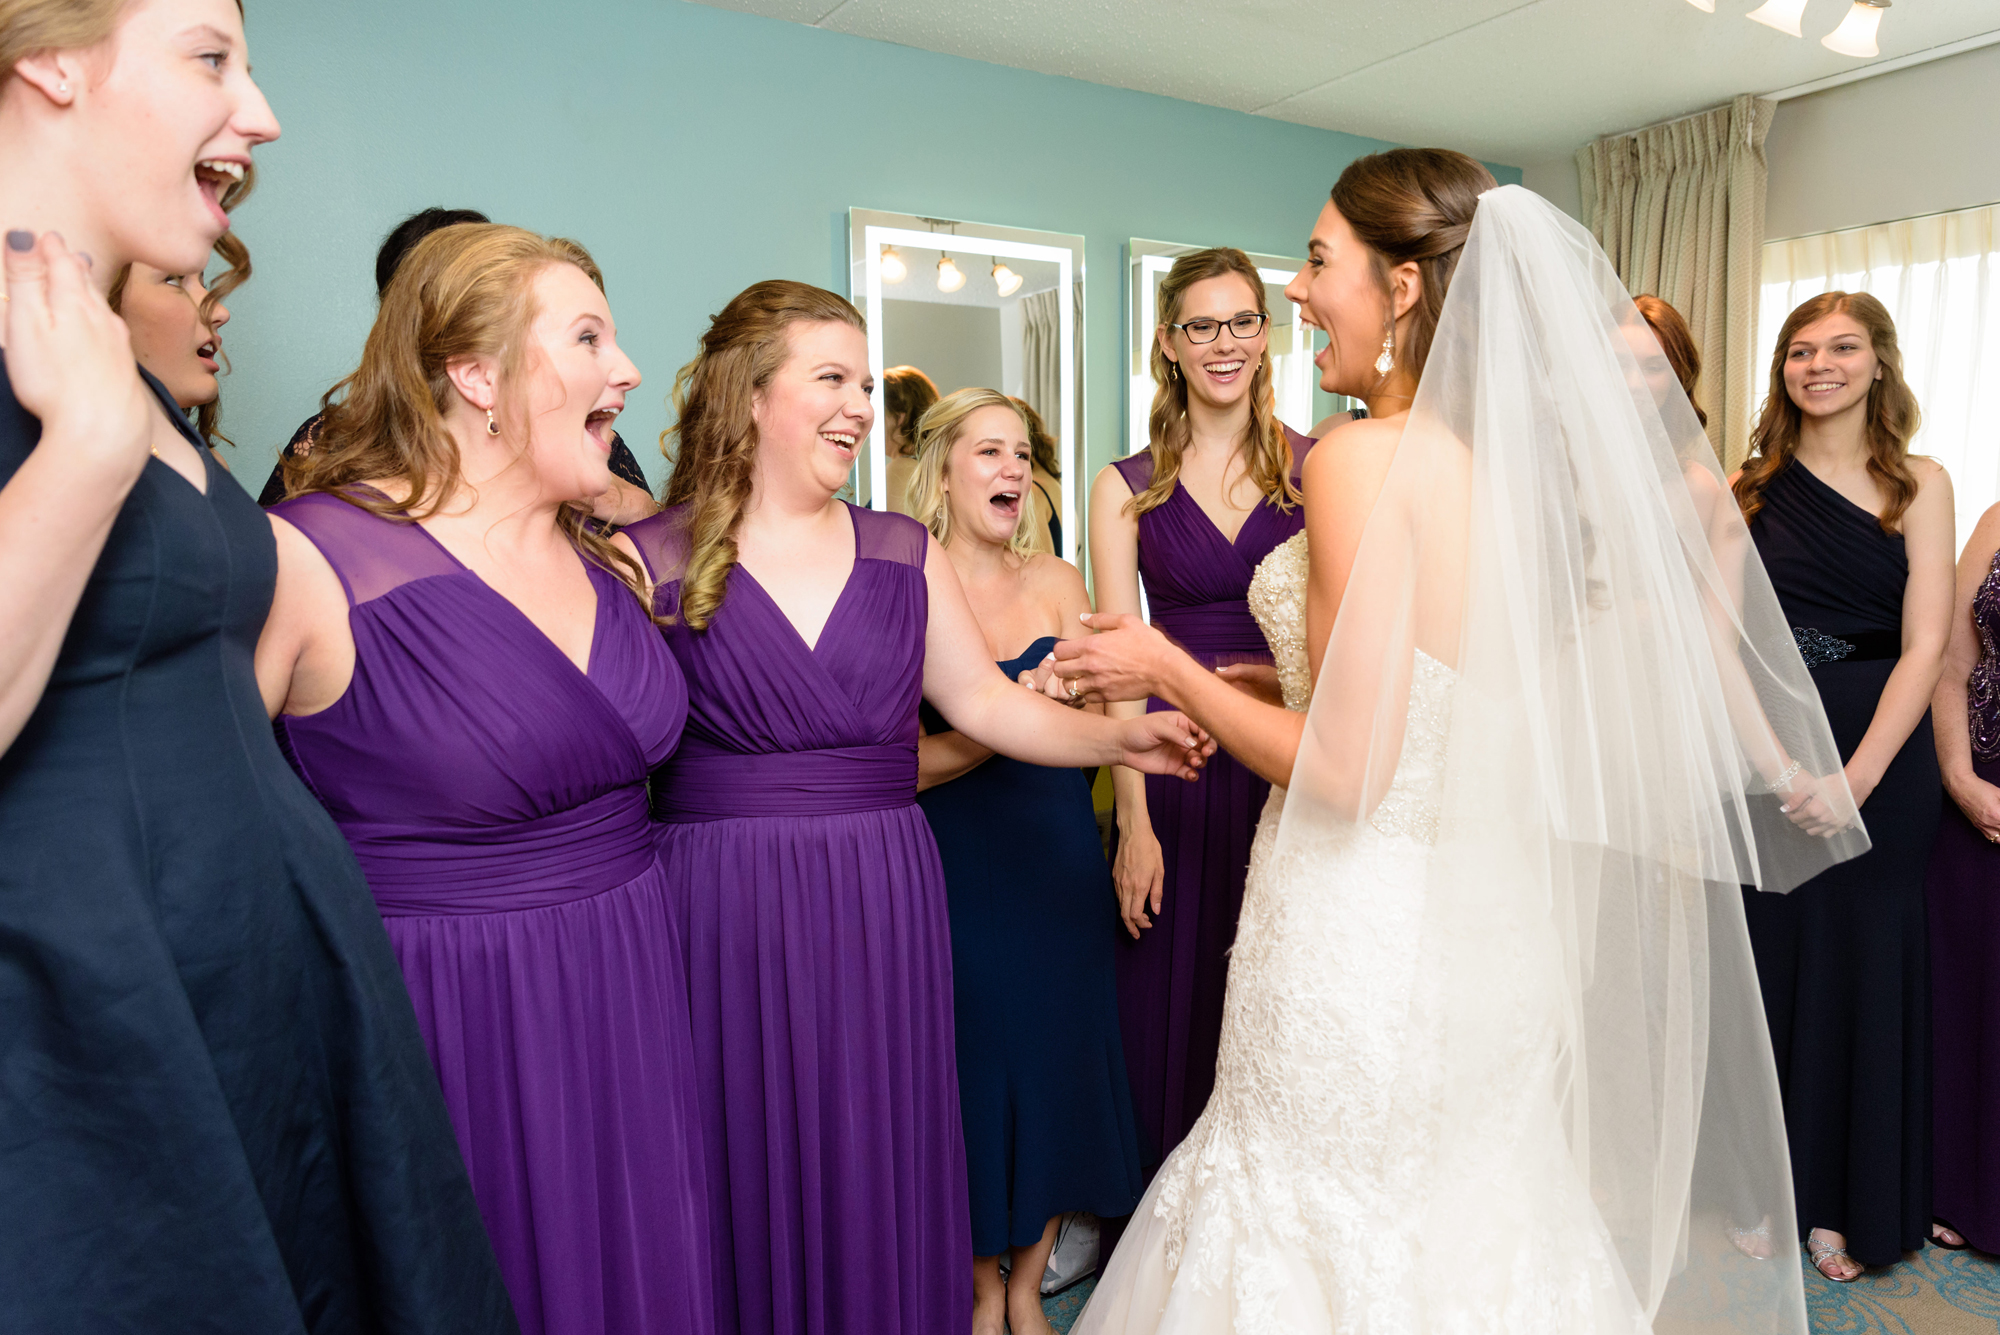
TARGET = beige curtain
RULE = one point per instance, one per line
(1041, 367)
(1679, 208)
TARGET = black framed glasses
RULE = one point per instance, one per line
(1245, 325)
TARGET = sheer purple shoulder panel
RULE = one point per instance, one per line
(886, 536)
(372, 555)
(1136, 469)
(662, 543)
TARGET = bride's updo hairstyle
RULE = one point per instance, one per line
(716, 455)
(464, 292)
(1267, 455)
(1414, 206)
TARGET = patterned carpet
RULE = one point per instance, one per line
(1933, 1293)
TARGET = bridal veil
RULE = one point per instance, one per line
(1554, 527)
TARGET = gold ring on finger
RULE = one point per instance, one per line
(1074, 693)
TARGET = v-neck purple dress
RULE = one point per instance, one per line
(496, 799)
(810, 899)
(1172, 979)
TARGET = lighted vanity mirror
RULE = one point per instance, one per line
(972, 305)
(1300, 402)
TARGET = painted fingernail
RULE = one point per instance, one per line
(18, 240)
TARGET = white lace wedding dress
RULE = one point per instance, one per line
(1322, 1189)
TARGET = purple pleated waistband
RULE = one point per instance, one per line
(1213, 628)
(723, 785)
(532, 864)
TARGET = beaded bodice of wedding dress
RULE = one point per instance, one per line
(1330, 1185)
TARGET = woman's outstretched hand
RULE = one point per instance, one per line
(1164, 743)
(69, 357)
(1125, 660)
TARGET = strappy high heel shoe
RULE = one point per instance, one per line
(1826, 1251)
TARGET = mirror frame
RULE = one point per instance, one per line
(869, 230)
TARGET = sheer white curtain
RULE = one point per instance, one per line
(1940, 278)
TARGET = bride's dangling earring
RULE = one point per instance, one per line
(1387, 361)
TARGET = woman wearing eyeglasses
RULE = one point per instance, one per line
(1190, 518)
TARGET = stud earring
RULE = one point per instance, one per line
(1387, 361)
(63, 88)
(492, 427)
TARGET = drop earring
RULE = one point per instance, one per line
(1387, 361)
(492, 427)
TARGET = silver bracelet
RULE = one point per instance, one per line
(1784, 780)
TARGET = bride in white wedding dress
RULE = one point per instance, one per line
(1493, 1058)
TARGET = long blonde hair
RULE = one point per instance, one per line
(464, 292)
(1267, 452)
(715, 455)
(936, 434)
(1893, 416)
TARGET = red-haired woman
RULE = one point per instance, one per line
(1857, 535)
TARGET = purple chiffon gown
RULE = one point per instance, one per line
(496, 799)
(810, 900)
(1964, 903)
(1171, 980)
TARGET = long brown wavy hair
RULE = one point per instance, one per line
(1677, 342)
(909, 392)
(1267, 453)
(464, 292)
(1893, 416)
(1414, 206)
(715, 453)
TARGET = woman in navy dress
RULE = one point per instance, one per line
(215, 1108)
(1857, 535)
(1189, 519)
(1041, 1069)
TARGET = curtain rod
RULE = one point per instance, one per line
(1889, 66)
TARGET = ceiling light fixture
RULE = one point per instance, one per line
(950, 277)
(1856, 34)
(893, 268)
(1005, 279)
(1780, 14)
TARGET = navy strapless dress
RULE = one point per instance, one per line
(1049, 1125)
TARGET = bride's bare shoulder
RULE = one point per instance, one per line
(1352, 450)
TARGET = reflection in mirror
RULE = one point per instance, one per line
(957, 305)
(1300, 403)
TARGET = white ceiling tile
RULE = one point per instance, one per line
(1508, 80)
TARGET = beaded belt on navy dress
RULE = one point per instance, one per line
(1817, 647)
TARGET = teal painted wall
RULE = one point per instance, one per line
(695, 151)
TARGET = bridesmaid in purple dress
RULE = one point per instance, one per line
(1964, 903)
(1191, 518)
(806, 885)
(477, 697)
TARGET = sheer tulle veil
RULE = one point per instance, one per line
(1555, 529)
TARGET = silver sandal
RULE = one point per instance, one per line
(1825, 1250)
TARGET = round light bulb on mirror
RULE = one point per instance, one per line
(893, 268)
(1005, 279)
(1856, 34)
(1780, 14)
(950, 277)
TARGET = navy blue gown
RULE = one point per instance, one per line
(216, 1112)
(1049, 1126)
(1842, 960)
